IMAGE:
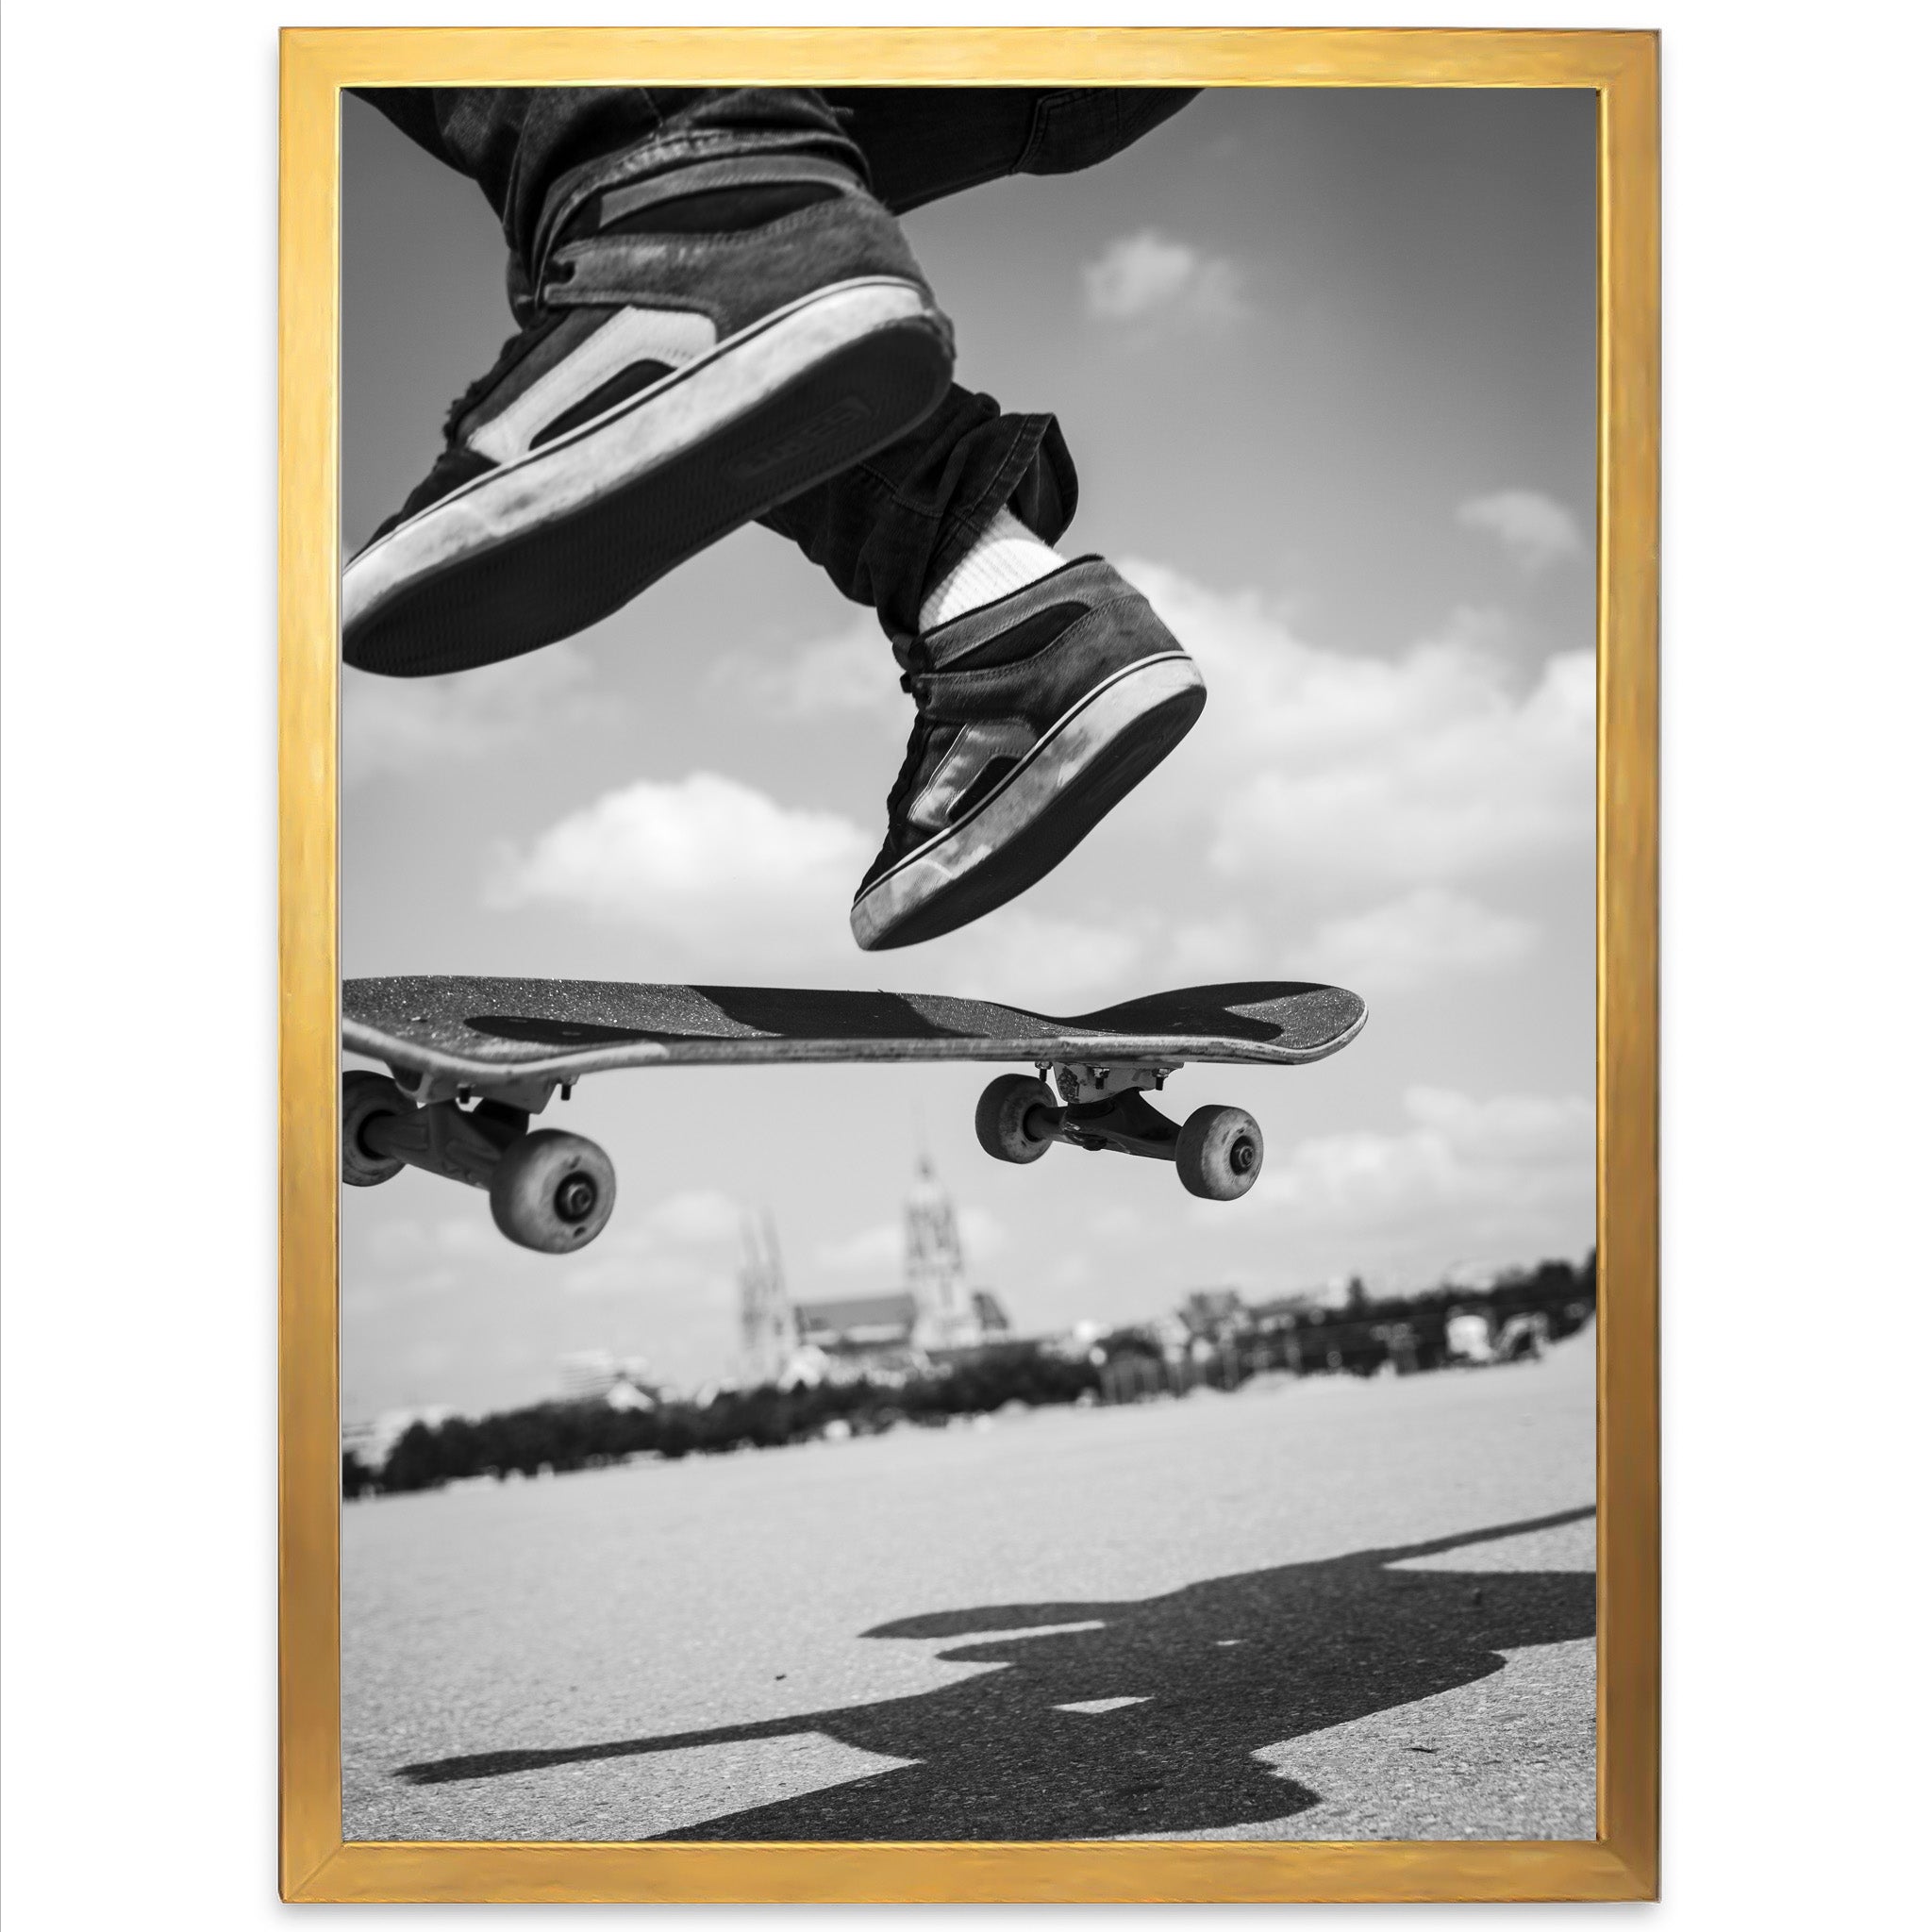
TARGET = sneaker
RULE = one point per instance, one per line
(701, 346)
(1037, 714)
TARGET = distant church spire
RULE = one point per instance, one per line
(766, 1323)
(934, 1267)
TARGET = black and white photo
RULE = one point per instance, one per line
(1205, 480)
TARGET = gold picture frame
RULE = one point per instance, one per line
(1620, 1861)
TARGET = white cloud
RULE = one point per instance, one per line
(1507, 1173)
(1418, 938)
(1350, 814)
(852, 671)
(1330, 774)
(400, 725)
(1535, 530)
(711, 867)
(1148, 277)
(1037, 960)
(1394, 946)
(705, 861)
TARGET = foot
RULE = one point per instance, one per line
(701, 347)
(1037, 714)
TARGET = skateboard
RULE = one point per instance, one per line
(471, 1060)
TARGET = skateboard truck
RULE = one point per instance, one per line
(530, 1096)
(1102, 1104)
(548, 1191)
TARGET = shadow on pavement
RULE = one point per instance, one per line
(1227, 1667)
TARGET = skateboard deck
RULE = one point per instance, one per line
(471, 1060)
(489, 1033)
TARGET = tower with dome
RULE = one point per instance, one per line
(933, 1314)
(936, 1268)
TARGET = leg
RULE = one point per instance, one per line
(923, 143)
(515, 142)
(920, 144)
(891, 528)
(716, 314)
(899, 520)
(1045, 689)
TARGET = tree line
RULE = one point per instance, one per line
(562, 1437)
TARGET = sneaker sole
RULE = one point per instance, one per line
(1080, 770)
(546, 546)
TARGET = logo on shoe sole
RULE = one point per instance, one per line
(846, 413)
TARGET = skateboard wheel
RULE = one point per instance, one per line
(1219, 1152)
(1016, 1117)
(553, 1191)
(364, 1097)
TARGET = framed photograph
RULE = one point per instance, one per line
(1153, 535)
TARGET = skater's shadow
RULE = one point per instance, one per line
(1218, 1671)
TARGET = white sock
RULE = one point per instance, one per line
(1007, 557)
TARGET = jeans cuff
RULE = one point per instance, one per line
(1035, 480)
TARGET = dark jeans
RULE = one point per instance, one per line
(889, 528)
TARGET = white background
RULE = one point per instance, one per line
(139, 181)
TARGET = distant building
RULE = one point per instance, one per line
(768, 1330)
(370, 1443)
(595, 1374)
(936, 1267)
(864, 1335)
(1285, 1312)
(934, 1316)
(991, 1317)
(1213, 1314)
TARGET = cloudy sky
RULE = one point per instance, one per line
(1324, 360)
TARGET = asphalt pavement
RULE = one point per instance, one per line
(1327, 1608)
